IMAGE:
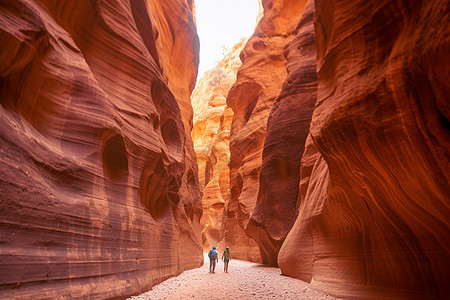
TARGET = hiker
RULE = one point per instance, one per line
(213, 257)
(226, 259)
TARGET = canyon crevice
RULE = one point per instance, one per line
(211, 136)
(287, 129)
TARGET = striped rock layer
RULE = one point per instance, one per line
(99, 193)
(353, 181)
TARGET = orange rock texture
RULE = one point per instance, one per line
(287, 130)
(259, 82)
(98, 178)
(211, 136)
(350, 189)
(373, 216)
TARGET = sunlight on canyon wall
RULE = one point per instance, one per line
(211, 135)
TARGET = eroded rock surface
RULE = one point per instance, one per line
(252, 97)
(211, 135)
(98, 179)
(373, 218)
(287, 129)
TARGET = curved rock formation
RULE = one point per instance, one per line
(98, 180)
(211, 135)
(373, 219)
(287, 129)
(260, 80)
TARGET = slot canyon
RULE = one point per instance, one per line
(318, 145)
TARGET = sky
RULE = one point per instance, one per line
(222, 23)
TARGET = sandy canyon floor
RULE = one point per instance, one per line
(244, 280)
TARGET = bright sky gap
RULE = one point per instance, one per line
(220, 24)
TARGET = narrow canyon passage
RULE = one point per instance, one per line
(318, 144)
(245, 280)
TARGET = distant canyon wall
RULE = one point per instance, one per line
(211, 136)
(98, 178)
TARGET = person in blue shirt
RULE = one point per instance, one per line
(213, 258)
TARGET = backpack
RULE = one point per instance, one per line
(212, 254)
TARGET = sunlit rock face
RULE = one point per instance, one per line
(252, 97)
(98, 179)
(287, 129)
(373, 218)
(211, 136)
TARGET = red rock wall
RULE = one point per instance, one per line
(258, 84)
(373, 219)
(98, 180)
(287, 128)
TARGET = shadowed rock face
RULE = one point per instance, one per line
(98, 179)
(287, 129)
(211, 136)
(252, 97)
(373, 218)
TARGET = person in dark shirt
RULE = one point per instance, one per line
(213, 258)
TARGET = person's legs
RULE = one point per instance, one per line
(213, 261)
(211, 265)
(225, 266)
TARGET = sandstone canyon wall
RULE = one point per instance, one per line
(211, 136)
(98, 179)
(258, 84)
(287, 130)
(373, 216)
(354, 165)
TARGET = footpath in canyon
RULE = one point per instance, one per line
(244, 280)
